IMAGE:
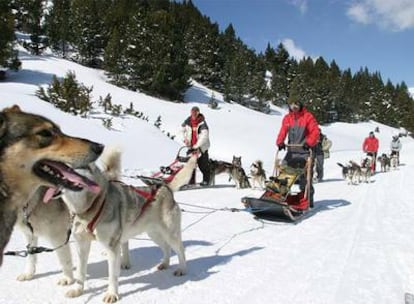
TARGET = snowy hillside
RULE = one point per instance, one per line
(355, 248)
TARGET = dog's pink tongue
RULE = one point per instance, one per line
(50, 192)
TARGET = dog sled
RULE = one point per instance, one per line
(287, 193)
(167, 173)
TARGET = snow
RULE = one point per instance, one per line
(356, 247)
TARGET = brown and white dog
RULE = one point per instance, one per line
(257, 174)
(35, 152)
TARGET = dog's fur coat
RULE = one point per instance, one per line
(218, 167)
(257, 174)
(355, 173)
(385, 162)
(50, 221)
(238, 174)
(122, 213)
(35, 152)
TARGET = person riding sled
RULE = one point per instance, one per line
(302, 130)
(396, 146)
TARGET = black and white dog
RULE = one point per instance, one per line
(257, 174)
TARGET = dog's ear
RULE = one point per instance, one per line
(12, 109)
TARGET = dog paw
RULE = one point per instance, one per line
(162, 266)
(126, 265)
(64, 281)
(179, 272)
(73, 293)
(110, 298)
(25, 277)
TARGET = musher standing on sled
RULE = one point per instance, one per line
(370, 147)
(396, 146)
(302, 130)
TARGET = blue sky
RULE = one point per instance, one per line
(377, 34)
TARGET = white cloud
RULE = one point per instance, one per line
(395, 15)
(293, 50)
(302, 5)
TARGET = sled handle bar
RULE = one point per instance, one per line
(293, 146)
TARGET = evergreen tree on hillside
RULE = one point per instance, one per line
(59, 26)
(280, 66)
(158, 62)
(6, 33)
(345, 104)
(29, 18)
(91, 32)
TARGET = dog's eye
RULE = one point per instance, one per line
(45, 133)
(45, 137)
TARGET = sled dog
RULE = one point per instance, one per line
(35, 152)
(366, 169)
(385, 162)
(218, 167)
(258, 175)
(351, 172)
(51, 221)
(394, 161)
(238, 174)
(119, 212)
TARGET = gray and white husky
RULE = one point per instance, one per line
(118, 212)
(238, 174)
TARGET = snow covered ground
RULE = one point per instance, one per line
(356, 247)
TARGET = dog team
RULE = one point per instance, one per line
(79, 182)
(356, 173)
(55, 186)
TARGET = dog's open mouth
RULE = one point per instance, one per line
(62, 176)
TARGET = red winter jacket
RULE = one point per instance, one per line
(370, 144)
(300, 127)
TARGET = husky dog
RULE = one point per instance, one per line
(351, 172)
(35, 152)
(51, 221)
(218, 167)
(385, 162)
(366, 169)
(394, 160)
(258, 174)
(119, 212)
(238, 174)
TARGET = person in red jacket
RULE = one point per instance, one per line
(370, 146)
(302, 130)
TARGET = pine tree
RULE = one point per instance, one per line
(280, 66)
(59, 27)
(91, 33)
(6, 33)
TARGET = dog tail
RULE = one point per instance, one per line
(184, 175)
(111, 162)
(340, 165)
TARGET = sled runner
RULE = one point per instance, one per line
(287, 193)
(167, 173)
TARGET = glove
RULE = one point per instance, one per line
(190, 151)
(281, 146)
(306, 147)
(193, 150)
